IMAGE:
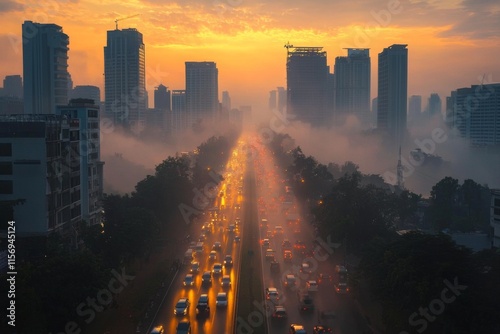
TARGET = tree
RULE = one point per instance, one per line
(443, 198)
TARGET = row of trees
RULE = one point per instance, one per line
(49, 287)
(407, 273)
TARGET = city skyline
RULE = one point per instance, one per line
(235, 33)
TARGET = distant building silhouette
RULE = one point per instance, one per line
(282, 98)
(125, 78)
(272, 101)
(41, 165)
(162, 98)
(414, 108)
(87, 92)
(45, 67)
(202, 92)
(179, 120)
(226, 101)
(307, 84)
(89, 149)
(434, 105)
(13, 86)
(475, 112)
(352, 84)
(393, 92)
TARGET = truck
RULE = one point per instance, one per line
(340, 280)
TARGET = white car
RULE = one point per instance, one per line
(272, 294)
(221, 300)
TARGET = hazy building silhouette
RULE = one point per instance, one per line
(226, 101)
(13, 86)
(475, 112)
(273, 99)
(307, 84)
(393, 92)
(87, 92)
(414, 107)
(162, 98)
(125, 78)
(40, 163)
(45, 67)
(352, 84)
(179, 121)
(434, 105)
(282, 98)
(89, 152)
(202, 91)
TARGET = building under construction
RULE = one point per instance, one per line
(307, 84)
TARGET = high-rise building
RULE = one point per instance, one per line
(162, 98)
(45, 67)
(125, 78)
(352, 84)
(40, 163)
(179, 119)
(414, 107)
(434, 105)
(13, 86)
(272, 102)
(89, 153)
(226, 101)
(307, 84)
(393, 92)
(475, 112)
(87, 92)
(202, 92)
(282, 98)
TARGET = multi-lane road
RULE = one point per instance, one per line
(276, 204)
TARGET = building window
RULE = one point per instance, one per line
(5, 168)
(6, 187)
(5, 149)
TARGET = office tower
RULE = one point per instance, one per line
(272, 102)
(162, 97)
(124, 82)
(475, 112)
(282, 98)
(40, 160)
(13, 86)
(202, 91)
(434, 105)
(87, 92)
(307, 84)
(414, 107)
(179, 118)
(86, 111)
(393, 92)
(45, 67)
(226, 101)
(352, 84)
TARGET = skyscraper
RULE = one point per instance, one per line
(226, 101)
(434, 105)
(162, 98)
(307, 84)
(202, 91)
(414, 107)
(13, 86)
(393, 92)
(272, 102)
(45, 67)
(125, 78)
(352, 84)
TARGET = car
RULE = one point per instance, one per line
(319, 329)
(195, 267)
(305, 268)
(182, 307)
(203, 307)
(297, 329)
(217, 245)
(221, 299)
(269, 254)
(279, 312)
(324, 278)
(202, 237)
(306, 303)
(217, 269)
(158, 330)
(265, 243)
(225, 281)
(183, 327)
(188, 280)
(206, 278)
(286, 244)
(278, 229)
(212, 256)
(290, 281)
(312, 286)
(275, 267)
(272, 294)
(237, 238)
(287, 256)
(228, 261)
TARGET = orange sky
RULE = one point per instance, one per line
(451, 43)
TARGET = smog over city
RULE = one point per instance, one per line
(235, 166)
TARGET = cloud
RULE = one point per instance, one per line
(10, 6)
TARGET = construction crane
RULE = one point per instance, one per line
(124, 18)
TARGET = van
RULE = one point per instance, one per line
(199, 247)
